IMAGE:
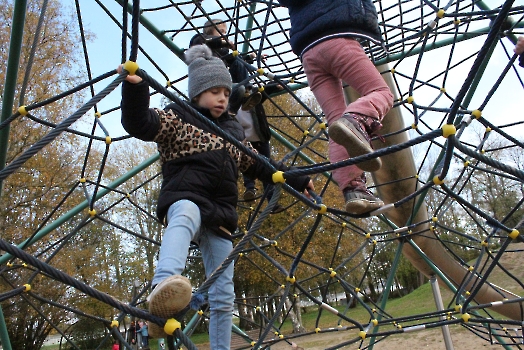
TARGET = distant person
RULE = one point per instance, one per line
(326, 35)
(145, 335)
(138, 334)
(199, 193)
(116, 346)
(244, 96)
(519, 49)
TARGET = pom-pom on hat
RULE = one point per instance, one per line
(205, 71)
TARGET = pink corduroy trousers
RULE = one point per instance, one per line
(326, 65)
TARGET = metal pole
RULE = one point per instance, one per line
(15, 47)
(440, 306)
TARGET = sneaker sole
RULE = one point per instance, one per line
(251, 102)
(170, 296)
(346, 135)
(249, 196)
(361, 206)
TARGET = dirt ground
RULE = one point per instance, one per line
(430, 339)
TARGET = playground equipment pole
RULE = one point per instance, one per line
(15, 48)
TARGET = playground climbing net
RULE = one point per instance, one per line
(452, 182)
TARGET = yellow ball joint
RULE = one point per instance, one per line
(27, 287)
(114, 324)
(362, 334)
(291, 279)
(514, 234)
(131, 67)
(278, 177)
(322, 209)
(477, 113)
(22, 110)
(171, 326)
(448, 130)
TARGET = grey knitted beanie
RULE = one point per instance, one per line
(205, 71)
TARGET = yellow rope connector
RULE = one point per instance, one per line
(322, 126)
(274, 244)
(458, 307)
(484, 243)
(131, 67)
(374, 242)
(92, 212)
(128, 195)
(442, 89)
(291, 279)
(441, 13)
(295, 295)
(374, 311)
(362, 334)
(468, 293)
(168, 83)
(108, 140)
(306, 132)
(261, 88)
(477, 113)
(22, 110)
(240, 255)
(410, 99)
(375, 322)
(83, 180)
(456, 22)
(235, 53)
(257, 308)
(448, 130)
(282, 286)
(278, 176)
(466, 163)
(357, 290)
(414, 126)
(399, 326)
(434, 219)
(317, 330)
(514, 234)
(253, 343)
(171, 326)
(488, 129)
(471, 268)
(260, 71)
(368, 235)
(200, 312)
(333, 274)
(323, 209)
(281, 336)
(24, 265)
(27, 287)
(392, 70)
(114, 324)
(98, 114)
(465, 317)
(437, 180)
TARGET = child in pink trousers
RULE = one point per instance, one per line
(326, 34)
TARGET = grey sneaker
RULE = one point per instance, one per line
(359, 199)
(251, 101)
(250, 194)
(348, 132)
(167, 299)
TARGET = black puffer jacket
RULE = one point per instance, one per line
(196, 164)
(313, 21)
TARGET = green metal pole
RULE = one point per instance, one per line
(15, 48)
(85, 204)
(385, 295)
(4, 336)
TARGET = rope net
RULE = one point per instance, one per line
(452, 180)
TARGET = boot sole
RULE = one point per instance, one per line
(361, 206)
(346, 135)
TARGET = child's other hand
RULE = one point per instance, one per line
(133, 79)
(311, 187)
(519, 47)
